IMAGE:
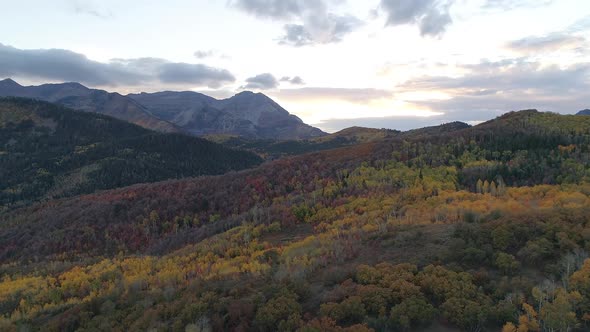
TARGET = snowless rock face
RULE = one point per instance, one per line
(79, 97)
(247, 114)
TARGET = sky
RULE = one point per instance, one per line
(396, 64)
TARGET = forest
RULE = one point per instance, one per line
(451, 228)
(48, 151)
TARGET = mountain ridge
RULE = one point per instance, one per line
(77, 96)
(247, 114)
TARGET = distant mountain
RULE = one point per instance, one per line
(584, 112)
(194, 113)
(50, 151)
(79, 97)
(246, 114)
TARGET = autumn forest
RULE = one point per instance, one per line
(448, 228)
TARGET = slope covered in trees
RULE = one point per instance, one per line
(51, 151)
(476, 229)
(272, 149)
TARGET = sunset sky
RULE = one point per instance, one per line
(378, 63)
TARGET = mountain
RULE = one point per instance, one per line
(195, 113)
(447, 228)
(79, 97)
(584, 112)
(247, 114)
(51, 151)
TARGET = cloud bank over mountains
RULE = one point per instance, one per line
(68, 66)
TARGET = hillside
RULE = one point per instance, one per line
(50, 151)
(79, 97)
(272, 149)
(247, 114)
(448, 228)
(584, 112)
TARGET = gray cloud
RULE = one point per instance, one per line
(204, 54)
(194, 74)
(276, 9)
(296, 80)
(90, 8)
(309, 21)
(431, 16)
(296, 35)
(65, 65)
(551, 42)
(264, 81)
(330, 29)
(492, 88)
(510, 75)
(359, 96)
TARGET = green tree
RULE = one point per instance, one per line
(412, 312)
(507, 263)
(282, 311)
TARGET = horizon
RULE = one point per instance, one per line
(402, 129)
(394, 64)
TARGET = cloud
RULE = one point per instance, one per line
(186, 73)
(276, 9)
(551, 42)
(296, 80)
(358, 96)
(204, 54)
(65, 65)
(431, 16)
(330, 29)
(309, 22)
(510, 75)
(491, 88)
(264, 81)
(88, 7)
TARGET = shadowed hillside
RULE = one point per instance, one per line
(50, 151)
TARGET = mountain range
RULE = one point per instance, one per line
(584, 112)
(247, 114)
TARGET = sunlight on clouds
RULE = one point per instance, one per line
(423, 95)
(317, 111)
